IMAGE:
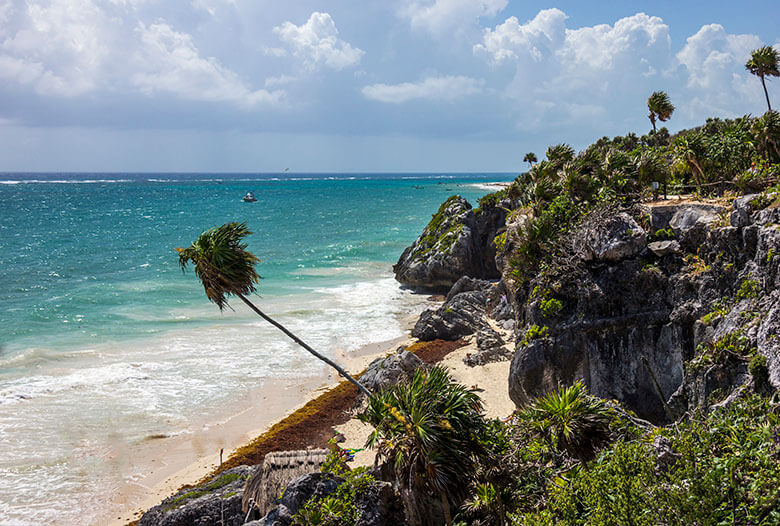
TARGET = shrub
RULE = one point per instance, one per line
(551, 307)
(759, 370)
(748, 289)
(338, 508)
(534, 332)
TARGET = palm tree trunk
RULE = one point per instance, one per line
(303, 344)
(766, 94)
(652, 121)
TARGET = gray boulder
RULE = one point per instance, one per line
(618, 238)
(379, 506)
(491, 349)
(216, 502)
(467, 284)
(391, 370)
(297, 493)
(461, 316)
(664, 248)
(691, 223)
(457, 242)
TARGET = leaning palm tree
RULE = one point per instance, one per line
(763, 62)
(660, 108)
(530, 158)
(225, 267)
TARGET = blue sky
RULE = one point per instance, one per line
(361, 85)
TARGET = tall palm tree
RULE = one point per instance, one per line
(660, 107)
(225, 267)
(763, 62)
(530, 158)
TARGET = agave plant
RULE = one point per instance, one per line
(428, 429)
(570, 420)
(763, 62)
(225, 267)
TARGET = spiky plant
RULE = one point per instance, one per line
(763, 62)
(225, 267)
(429, 430)
(571, 420)
(660, 107)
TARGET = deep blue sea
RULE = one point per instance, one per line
(103, 340)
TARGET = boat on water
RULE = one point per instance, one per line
(250, 197)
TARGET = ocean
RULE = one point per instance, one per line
(104, 342)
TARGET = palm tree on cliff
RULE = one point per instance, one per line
(530, 158)
(660, 107)
(763, 63)
(224, 267)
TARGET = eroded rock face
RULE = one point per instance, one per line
(216, 502)
(392, 370)
(491, 348)
(298, 491)
(618, 238)
(461, 316)
(629, 326)
(456, 243)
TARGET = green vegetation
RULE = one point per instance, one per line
(719, 309)
(225, 267)
(433, 234)
(338, 508)
(758, 369)
(500, 241)
(551, 307)
(534, 332)
(733, 346)
(663, 234)
(748, 289)
(219, 482)
(429, 430)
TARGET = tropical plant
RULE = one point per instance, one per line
(429, 430)
(689, 152)
(571, 420)
(763, 62)
(660, 107)
(530, 158)
(766, 130)
(225, 267)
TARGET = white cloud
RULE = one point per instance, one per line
(571, 75)
(448, 88)
(316, 43)
(440, 16)
(168, 61)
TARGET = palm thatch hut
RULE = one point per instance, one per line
(269, 479)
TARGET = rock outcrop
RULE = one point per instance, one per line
(391, 370)
(216, 502)
(628, 319)
(457, 242)
(461, 316)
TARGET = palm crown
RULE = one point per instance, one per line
(660, 107)
(222, 262)
(763, 63)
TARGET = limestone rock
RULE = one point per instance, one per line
(665, 455)
(298, 491)
(691, 221)
(619, 238)
(379, 506)
(467, 284)
(216, 502)
(457, 242)
(491, 349)
(663, 248)
(462, 315)
(392, 370)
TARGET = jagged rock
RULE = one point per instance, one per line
(216, 502)
(391, 370)
(768, 339)
(741, 210)
(491, 349)
(298, 491)
(665, 455)
(379, 506)
(462, 315)
(467, 284)
(619, 238)
(456, 243)
(691, 222)
(663, 248)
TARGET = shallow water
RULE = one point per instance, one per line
(104, 342)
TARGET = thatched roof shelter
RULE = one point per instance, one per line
(271, 477)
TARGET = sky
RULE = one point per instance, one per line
(359, 85)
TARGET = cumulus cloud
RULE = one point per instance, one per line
(317, 44)
(70, 48)
(440, 16)
(714, 61)
(448, 88)
(570, 75)
(168, 61)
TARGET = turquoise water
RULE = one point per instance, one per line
(97, 318)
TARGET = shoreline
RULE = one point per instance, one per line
(177, 461)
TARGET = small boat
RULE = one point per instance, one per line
(250, 197)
